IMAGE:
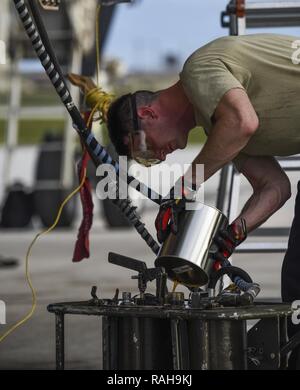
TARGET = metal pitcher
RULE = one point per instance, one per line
(186, 256)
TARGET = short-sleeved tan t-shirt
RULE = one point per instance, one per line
(261, 64)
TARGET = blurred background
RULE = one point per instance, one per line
(143, 45)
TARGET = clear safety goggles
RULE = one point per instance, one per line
(140, 149)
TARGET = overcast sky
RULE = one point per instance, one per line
(143, 33)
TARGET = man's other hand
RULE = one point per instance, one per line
(167, 218)
(228, 239)
(170, 208)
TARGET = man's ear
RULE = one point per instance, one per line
(146, 112)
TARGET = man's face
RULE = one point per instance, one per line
(155, 136)
(164, 141)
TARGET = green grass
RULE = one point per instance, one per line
(41, 98)
(42, 94)
(33, 131)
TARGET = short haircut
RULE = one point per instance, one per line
(120, 118)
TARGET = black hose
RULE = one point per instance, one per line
(43, 48)
(232, 272)
(237, 280)
(250, 289)
(37, 33)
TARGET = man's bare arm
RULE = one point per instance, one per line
(235, 121)
(271, 189)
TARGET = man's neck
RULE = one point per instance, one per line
(175, 104)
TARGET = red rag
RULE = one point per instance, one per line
(82, 246)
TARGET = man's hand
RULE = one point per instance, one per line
(167, 218)
(170, 208)
(228, 239)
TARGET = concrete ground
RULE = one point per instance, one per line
(57, 279)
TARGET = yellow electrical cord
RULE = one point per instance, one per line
(175, 284)
(100, 101)
(28, 278)
(96, 98)
(97, 27)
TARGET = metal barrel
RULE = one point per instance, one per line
(133, 343)
(186, 255)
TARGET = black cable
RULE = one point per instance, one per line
(245, 284)
(43, 48)
(232, 272)
(38, 35)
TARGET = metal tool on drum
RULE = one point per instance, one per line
(187, 255)
(166, 330)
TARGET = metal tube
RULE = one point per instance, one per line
(227, 345)
(60, 341)
(156, 344)
(175, 345)
(198, 344)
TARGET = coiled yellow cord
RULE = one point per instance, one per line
(28, 278)
(100, 101)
